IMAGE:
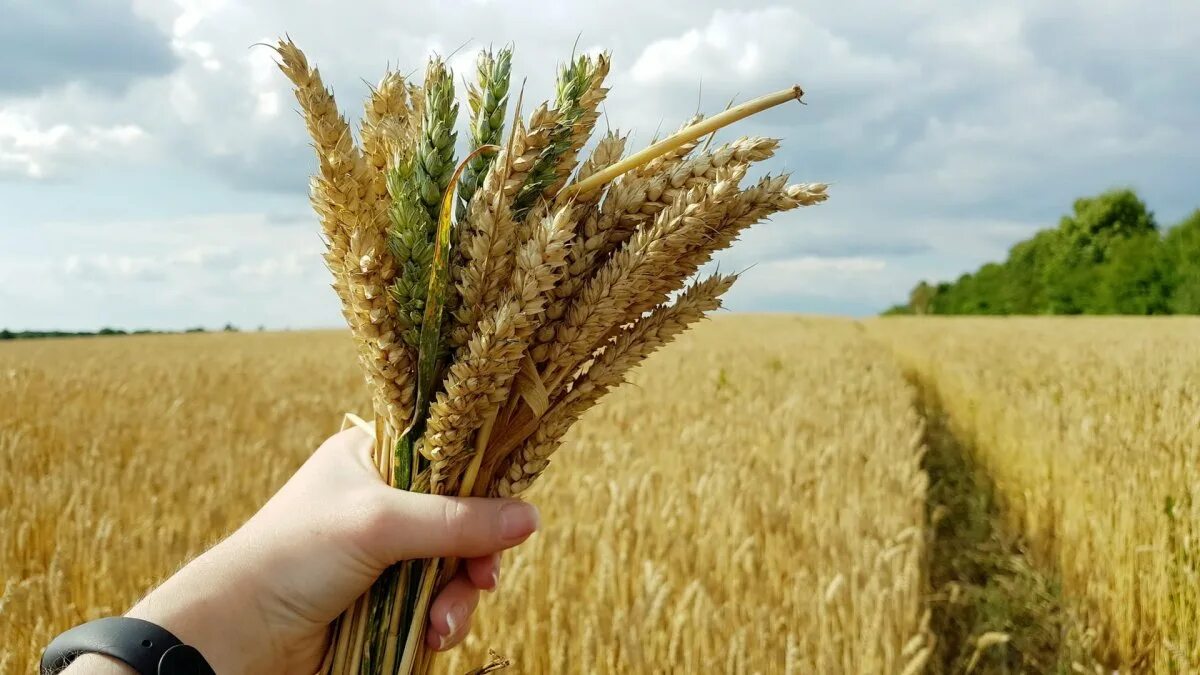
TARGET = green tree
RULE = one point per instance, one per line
(1072, 277)
(1105, 257)
(1181, 254)
(1135, 278)
(920, 300)
(1025, 291)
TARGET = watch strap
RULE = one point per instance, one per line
(146, 647)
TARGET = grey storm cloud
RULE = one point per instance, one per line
(100, 42)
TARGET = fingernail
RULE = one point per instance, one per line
(518, 520)
(495, 577)
(437, 639)
(455, 617)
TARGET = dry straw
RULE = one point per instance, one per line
(485, 338)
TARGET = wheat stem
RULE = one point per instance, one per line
(683, 137)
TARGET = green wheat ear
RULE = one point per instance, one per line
(416, 186)
(435, 150)
(488, 101)
(410, 239)
(574, 80)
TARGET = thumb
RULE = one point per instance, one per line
(432, 526)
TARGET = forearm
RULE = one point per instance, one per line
(201, 604)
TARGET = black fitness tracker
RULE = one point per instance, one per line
(145, 647)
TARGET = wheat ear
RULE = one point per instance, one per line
(386, 125)
(479, 379)
(489, 233)
(357, 254)
(605, 298)
(487, 99)
(769, 196)
(633, 344)
(579, 85)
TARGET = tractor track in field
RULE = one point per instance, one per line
(992, 610)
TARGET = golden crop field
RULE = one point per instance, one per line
(1090, 431)
(756, 501)
(752, 503)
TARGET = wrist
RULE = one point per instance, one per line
(98, 664)
(205, 606)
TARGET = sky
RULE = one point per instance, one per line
(153, 167)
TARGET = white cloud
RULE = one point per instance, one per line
(988, 35)
(34, 151)
(948, 131)
(837, 277)
(104, 267)
(775, 42)
(810, 264)
(170, 273)
(290, 265)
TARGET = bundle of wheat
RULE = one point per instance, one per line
(485, 339)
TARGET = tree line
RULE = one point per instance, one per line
(1108, 256)
(6, 334)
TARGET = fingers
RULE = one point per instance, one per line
(484, 572)
(403, 525)
(450, 614)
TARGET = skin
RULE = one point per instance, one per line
(262, 600)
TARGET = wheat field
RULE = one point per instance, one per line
(762, 499)
(1090, 431)
(753, 503)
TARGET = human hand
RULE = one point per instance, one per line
(262, 600)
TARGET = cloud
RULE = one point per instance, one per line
(948, 131)
(44, 45)
(855, 285)
(108, 267)
(31, 151)
(760, 44)
(169, 273)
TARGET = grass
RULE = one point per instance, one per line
(980, 579)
